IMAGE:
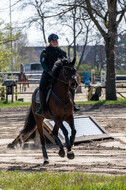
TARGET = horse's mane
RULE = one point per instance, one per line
(66, 62)
(60, 64)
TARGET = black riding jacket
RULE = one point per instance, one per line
(49, 56)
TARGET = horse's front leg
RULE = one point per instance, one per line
(70, 154)
(70, 121)
(45, 155)
(58, 141)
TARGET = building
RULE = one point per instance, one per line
(93, 55)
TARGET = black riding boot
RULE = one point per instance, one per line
(75, 108)
(41, 109)
(72, 91)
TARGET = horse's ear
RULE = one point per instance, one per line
(74, 60)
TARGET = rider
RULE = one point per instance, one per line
(47, 58)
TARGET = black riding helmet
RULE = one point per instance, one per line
(52, 37)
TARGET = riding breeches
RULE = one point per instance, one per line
(44, 83)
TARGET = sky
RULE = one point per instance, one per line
(34, 35)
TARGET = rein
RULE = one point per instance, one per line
(65, 82)
(59, 100)
(62, 103)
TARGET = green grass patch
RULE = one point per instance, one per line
(59, 181)
(119, 101)
(4, 104)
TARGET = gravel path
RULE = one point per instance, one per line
(106, 156)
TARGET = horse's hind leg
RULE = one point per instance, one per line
(39, 121)
(58, 141)
(14, 143)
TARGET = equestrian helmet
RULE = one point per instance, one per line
(53, 37)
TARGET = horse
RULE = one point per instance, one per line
(22, 79)
(60, 108)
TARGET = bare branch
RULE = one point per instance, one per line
(85, 44)
(120, 18)
(122, 11)
(89, 9)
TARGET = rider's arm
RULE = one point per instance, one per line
(42, 60)
(62, 54)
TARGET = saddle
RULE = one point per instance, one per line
(48, 92)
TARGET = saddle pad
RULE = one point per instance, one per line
(37, 99)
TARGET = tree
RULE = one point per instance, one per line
(19, 53)
(40, 10)
(65, 19)
(5, 51)
(106, 16)
(78, 25)
(110, 14)
(84, 46)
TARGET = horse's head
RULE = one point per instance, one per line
(69, 72)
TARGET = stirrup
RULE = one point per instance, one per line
(39, 112)
(76, 109)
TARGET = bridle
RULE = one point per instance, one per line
(66, 76)
(69, 76)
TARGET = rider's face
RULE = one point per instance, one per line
(54, 43)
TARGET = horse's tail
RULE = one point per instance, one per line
(28, 131)
(30, 123)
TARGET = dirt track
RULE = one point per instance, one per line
(107, 156)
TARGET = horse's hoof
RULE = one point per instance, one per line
(10, 145)
(45, 162)
(61, 153)
(70, 155)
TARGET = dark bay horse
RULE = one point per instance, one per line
(60, 108)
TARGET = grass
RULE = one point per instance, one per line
(119, 101)
(4, 104)
(59, 181)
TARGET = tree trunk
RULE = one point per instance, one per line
(109, 37)
(109, 47)
(110, 77)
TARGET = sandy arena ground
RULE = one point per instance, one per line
(106, 156)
